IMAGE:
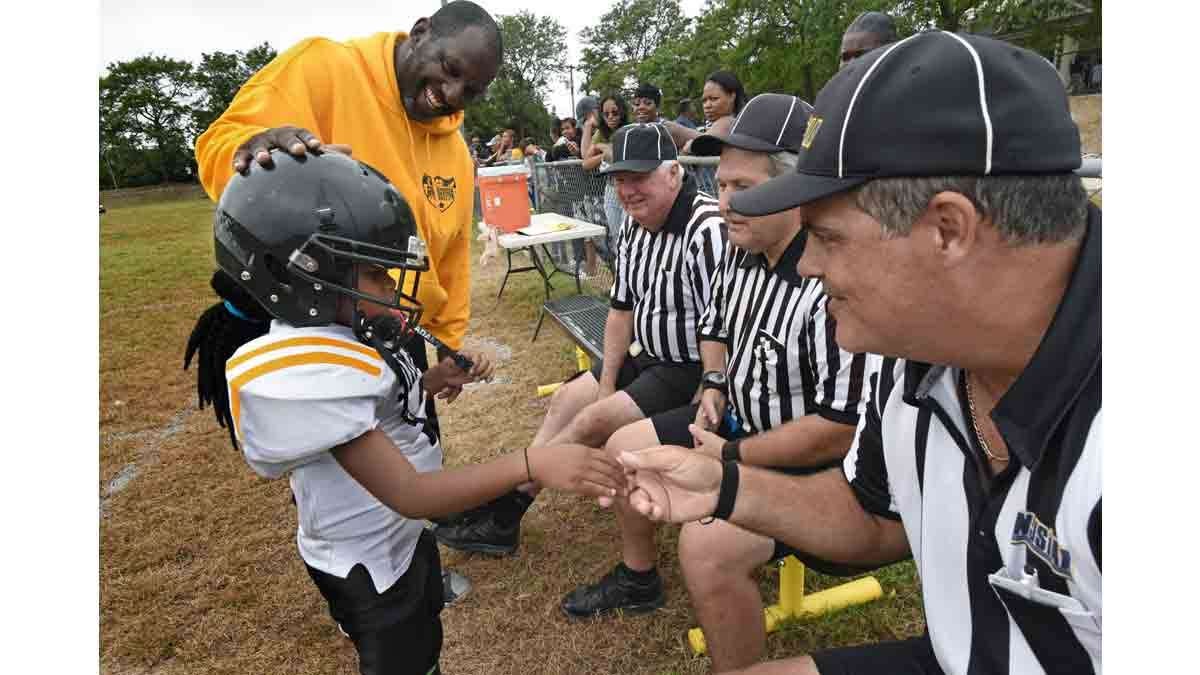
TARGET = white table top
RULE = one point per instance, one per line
(580, 229)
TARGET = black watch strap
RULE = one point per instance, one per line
(728, 493)
(732, 450)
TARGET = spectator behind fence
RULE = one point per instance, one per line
(567, 145)
(479, 151)
(532, 151)
(667, 253)
(587, 108)
(683, 115)
(646, 100)
(724, 98)
(869, 30)
(555, 130)
(504, 149)
(969, 253)
(597, 147)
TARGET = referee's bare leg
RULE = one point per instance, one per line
(638, 551)
(576, 416)
(718, 562)
(565, 403)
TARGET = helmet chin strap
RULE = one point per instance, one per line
(384, 332)
(387, 333)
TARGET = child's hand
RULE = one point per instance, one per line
(577, 468)
(446, 379)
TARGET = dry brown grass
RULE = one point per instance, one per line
(198, 566)
(1086, 110)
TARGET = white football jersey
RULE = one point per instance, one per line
(294, 394)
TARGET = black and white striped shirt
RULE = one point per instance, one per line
(782, 359)
(665, 277)
(1010, 570)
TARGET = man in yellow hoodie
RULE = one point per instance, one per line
(394, 100)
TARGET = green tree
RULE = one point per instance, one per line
(145, 107)
(627, 35)
(218, 77)
(535, 49)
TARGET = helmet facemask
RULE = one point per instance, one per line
(389, 330)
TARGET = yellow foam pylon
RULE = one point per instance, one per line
(581, 360)
(793, 603)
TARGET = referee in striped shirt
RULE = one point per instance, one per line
(669, 245)
(949, 229)
(766, 339)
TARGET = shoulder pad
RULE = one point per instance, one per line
(296, 394)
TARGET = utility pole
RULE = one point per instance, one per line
(571, 77)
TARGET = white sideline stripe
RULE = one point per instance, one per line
(987, 119)
(786, 120)
(854, 98)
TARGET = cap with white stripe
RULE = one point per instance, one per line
(641, 148)
(933, 104)
(768, 123)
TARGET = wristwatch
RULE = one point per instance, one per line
(713, 379)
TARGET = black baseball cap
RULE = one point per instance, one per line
(768, 123)
(933, 104)
(641, 148)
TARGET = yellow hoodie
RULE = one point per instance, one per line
(346, 92)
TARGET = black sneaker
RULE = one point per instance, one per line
(620, 589)
(480, 532)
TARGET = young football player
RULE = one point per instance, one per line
(319, 261)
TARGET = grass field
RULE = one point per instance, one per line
(198, 565)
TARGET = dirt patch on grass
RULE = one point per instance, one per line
(198, 565)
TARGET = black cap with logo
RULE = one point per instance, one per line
(641, 148)
(933, 104)
(768, 123)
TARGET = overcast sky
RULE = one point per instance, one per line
(185, 29)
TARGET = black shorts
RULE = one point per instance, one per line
(398, 631)
(672, 429)
(913, 656)
(656, 386)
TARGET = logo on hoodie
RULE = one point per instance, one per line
(439, 190)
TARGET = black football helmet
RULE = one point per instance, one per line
(291, 236)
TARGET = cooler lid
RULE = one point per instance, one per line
(509, 170)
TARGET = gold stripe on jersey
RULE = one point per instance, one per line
(235, 408)
(301, 342)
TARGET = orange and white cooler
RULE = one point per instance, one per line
(504, 193)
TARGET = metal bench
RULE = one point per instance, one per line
(582, 318)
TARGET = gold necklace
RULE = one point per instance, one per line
(975, 423)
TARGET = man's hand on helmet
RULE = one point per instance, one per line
(294, 140)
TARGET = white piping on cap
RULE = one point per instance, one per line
(786, 120)
(658, 141)
(625, 144)
(987, 119)
(854, 98)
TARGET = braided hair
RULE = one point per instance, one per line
(218, 333)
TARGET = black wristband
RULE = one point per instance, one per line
(728, 493)
(732, 450)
